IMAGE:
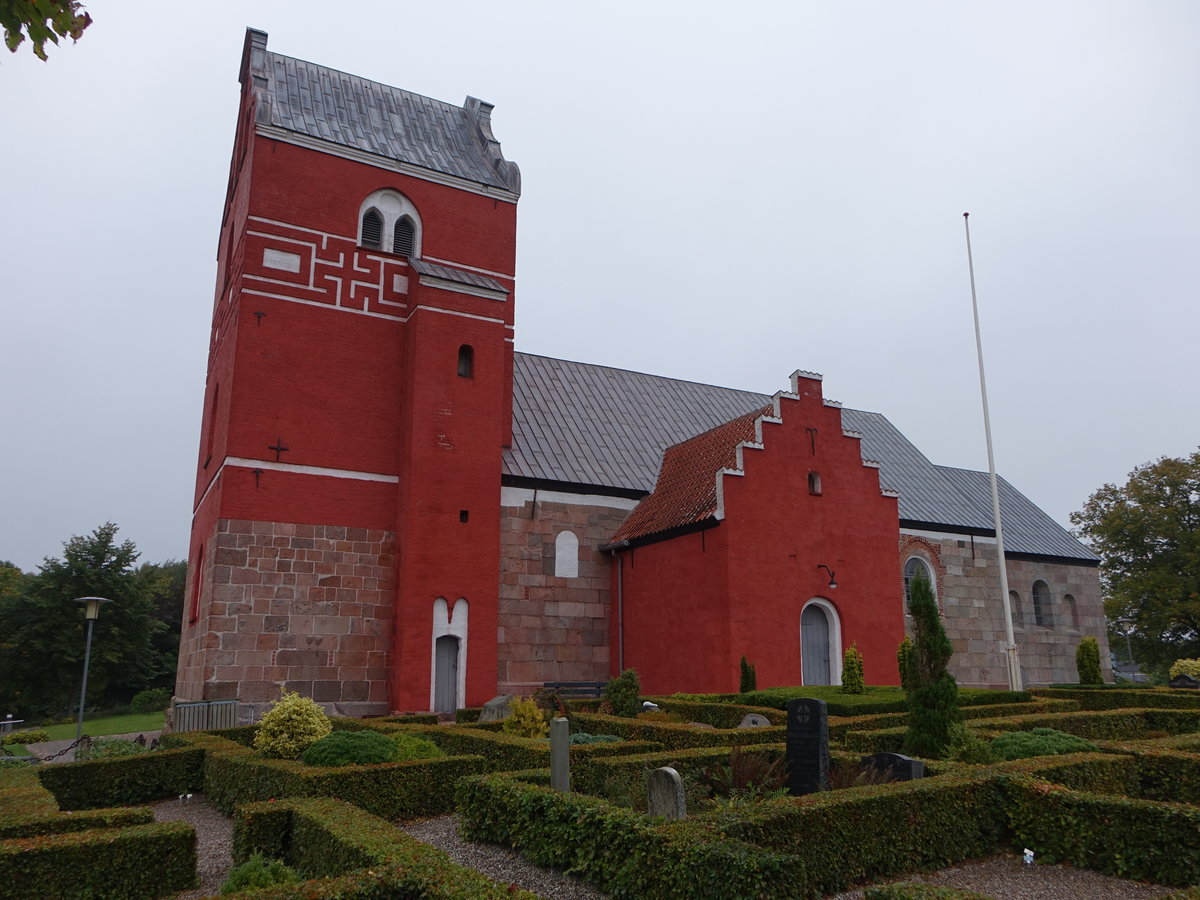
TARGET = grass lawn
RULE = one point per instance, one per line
(108, 725)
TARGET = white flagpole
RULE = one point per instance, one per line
(1013, 657)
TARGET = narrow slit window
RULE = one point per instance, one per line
(466, 361)
(372, 230)
(814, 483)
(403, 237)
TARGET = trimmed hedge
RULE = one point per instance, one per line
(1112, 725)
(623, 853)
(1123, 697)
(62, 823)
(100, 863)
(124, 780)
(355, 854)
(677, 736)
(1137, 839)
(839, 726)
(913, 890)
(1100, 773)
(875, 701)
(719, 715)
(393, 791)
(626, 775)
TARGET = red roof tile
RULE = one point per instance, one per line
(686, 490)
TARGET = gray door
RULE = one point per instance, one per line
(445, 686)
(814, 645)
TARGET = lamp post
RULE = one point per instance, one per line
(91, 609)
(1127, 629)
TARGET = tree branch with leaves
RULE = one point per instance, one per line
(41, 21)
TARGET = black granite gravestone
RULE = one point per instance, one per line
(894, 766)
(807, 746)
(1183, 681)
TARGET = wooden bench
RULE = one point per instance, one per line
(576, 688)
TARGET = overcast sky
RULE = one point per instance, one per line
(715, 192)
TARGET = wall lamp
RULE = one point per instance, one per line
(832, 577)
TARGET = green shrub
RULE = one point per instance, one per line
(1087, 661)
(350, 748)
(852, 671)
(290, 726)
(1185, 667)
(409, 746)
(150, 701)
(903, 660)
(968, 747)
(624, 692)
(125, 780)
(526, 719)
(1038, 742)
(748, 681)
(32, 736)
(914, 890)
(933, 697)
(109, 747)
(585, 738)
(258, 872)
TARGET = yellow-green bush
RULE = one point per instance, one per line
(291, 726)
(852, 671)
(1186, 667)
(526, 719)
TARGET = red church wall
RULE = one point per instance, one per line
(695, 604)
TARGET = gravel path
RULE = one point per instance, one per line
(214, 840)
(1008, 878)
(500, 863)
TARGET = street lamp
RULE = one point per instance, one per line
(91, 610)
(1127, 629)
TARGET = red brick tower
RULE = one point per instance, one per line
(345, 531)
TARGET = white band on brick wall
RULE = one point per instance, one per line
(308, 470)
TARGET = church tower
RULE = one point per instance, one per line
(359, 395)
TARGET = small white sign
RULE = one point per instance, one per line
(278, 259)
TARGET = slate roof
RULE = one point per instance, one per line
(606, 429)
(378, 119)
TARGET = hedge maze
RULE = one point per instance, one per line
(1130, 809)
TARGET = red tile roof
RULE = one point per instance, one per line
(686, 491)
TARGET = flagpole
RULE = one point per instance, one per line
(1011, 654)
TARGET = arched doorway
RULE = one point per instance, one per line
(445, 679)
(820, 643)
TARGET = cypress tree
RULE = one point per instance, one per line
(933, 697)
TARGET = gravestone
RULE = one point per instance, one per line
(665, 794)
(894, 766)
(807, 746)
(497, 708)
(648, 706)
(754, 720)
(1183, 681)
(560, 756)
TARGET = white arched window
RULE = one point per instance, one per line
(1014, 603)
(387, 220)
(566, 555)
(915, 568)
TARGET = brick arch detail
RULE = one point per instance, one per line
(912, 545)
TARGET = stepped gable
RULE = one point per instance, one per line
(302, 98)
(686, 491)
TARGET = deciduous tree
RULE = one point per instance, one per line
(41, 21)
(1147, 533)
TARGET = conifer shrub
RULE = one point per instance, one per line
(151, 700)
(1185, 667)
(526, 719)
(933, 696)
(258, 872)
(351, 748)
(1087, 661)
(968, 747)
(623, 693)
(852, 671)
(903, 659)
(1038, 742)
(410, 746)
(749, 678)
(291, 726)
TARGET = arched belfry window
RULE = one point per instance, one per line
(1041, 605)
(403, 236)
(466, 361)
(389, 221)
(372, 230)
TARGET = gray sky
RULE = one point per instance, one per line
(709, 196)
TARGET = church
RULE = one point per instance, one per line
(394, 510)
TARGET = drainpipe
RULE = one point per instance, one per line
(613, 549)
